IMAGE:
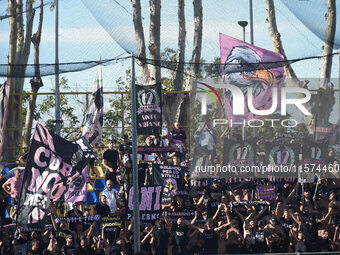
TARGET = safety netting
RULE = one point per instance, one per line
(312, 14)
(91, 33)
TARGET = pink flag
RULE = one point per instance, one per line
(77, 190)
(249, 67)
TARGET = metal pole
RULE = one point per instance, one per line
(57, 92)
(136, 234)
(243, 128)
(251, 26)
(339, 94)
(251, 21)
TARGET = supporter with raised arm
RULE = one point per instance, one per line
(160, 239)
(234, 238)
(275, 235)
(210, 234)
(112, 198)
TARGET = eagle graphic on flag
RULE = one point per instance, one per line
(247, 66)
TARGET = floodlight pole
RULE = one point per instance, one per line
(339, 93)
(136, 222)
(57, 92)
(251, 22)
(243, 24)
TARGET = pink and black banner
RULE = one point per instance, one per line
(150, 203)
(254, 71)
(53, 163)
(77, 191)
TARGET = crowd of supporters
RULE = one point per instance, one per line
(300, 217)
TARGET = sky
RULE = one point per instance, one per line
(88, 30)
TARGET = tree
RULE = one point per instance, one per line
(19, 50)
(191, 83)
(69, 115)
(174, 105)
(172, 100)
(327, 98)
(36, 81)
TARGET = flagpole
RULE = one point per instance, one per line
(57, 92)
(136, 222)
(339, 92)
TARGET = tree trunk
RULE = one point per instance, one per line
(36, 82)
(18, 55)
(326, 99)
(327, 49)
(139, 33)
(8, 150)
(183, 113)
(291, 77)
(172, 101)
(155, 40)
(178, 82)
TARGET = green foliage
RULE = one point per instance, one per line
(45, 112)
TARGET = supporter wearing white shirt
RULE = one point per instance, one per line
(111, 196)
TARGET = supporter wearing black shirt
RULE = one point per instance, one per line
(102, 208)
(260, 240)
(111, 162)
(210, 241)
(178, 134)
(323, 243)
(212, 206)
(74, 213)
(180, 234)
(61, 232)
(142, 169)
(84, 248)
(125, 147)
(198, 248)
(160, 239)
(179, 138)
(210, 236)
(3, 197)
(125, 150)
(6, 246)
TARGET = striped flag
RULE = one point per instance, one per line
(4, 96)
(93, 126)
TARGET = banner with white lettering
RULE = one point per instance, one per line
(172, 179)
(150, 203)
(149, 109)
(185, 214)
(52, 164)
(90, 218)
(239, 153)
